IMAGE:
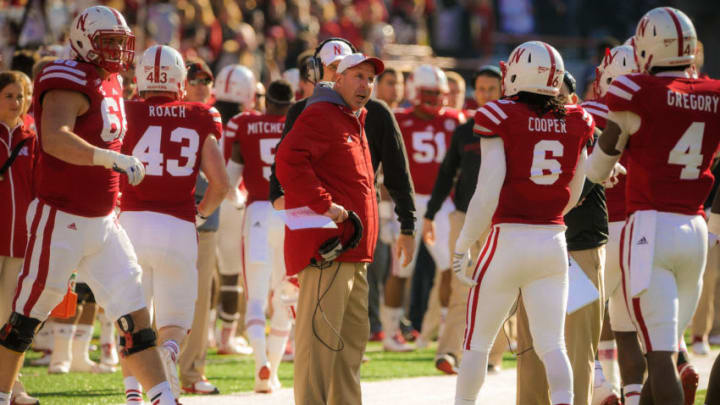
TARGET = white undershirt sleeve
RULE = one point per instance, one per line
(487, 193)
(577, 182)
(234, 171)
(600, 165)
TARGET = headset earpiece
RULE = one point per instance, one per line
(315, 65)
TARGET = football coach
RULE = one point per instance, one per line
(324, 163)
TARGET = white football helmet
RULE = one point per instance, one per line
(161, 68)
(427, 77)
(665, 36)
(617, 62)
(236, 84)
(534, 67)
(88, 35)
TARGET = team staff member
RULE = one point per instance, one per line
(463, 156)
(191, 363)
(586, 235)
(386, 147)
(325, 164)
(16, 181)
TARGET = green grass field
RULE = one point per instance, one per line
(230, 373)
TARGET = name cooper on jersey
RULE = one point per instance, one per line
(176, 111)
(697, 102)
(546, 125)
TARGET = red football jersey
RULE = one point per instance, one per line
(88, 191)
(231, 128)
(670, 154)
(167, 136)
(541, 156)
(426, 142)
(258, 136)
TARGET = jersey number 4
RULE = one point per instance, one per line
(687, 151)
(148, 151)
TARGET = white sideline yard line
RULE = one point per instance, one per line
(498, 389)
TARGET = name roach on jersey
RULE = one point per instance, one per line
(177, 111)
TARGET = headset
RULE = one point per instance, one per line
(332, 248)
(315, 65)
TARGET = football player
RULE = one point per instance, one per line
(461, 162)
(617, 61)
(253, 151)
(174, 139)
(81, 122)
(235, 85)
(426, 128)
(533, 149)
(668, 125)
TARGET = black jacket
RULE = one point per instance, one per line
(463, 155)
(587, 223)
(386, 147)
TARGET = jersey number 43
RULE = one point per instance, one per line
(148, 151)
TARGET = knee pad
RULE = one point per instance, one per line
(17, 335)
(133, 341)
(84, 294)
(255, 310)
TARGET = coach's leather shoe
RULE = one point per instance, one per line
(202, 387)
(690, 379)
(604, 394)
(396, 343)
(262, 379)
(447, 364)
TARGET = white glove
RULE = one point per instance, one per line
(130, 165)
(237, 198)
(617, 170)
(199, 220)
(460, 263)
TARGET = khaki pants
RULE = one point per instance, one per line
(328, 371)
(9, 270)
(582, 334)
(451, 340)
(191, 362)
(706, 310)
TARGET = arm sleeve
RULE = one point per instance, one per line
(276, 190)
(303, 145)
(446, 175)
(576, 183)
(483, 204)
(396, 171)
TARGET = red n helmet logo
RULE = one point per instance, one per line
(337, 49)
(515, 58)
(641, 27)
(81, 22)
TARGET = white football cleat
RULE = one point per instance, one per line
(714, 339)
(109, 355)
(700, 348)
(42, 361)
(89, 366)
(421, 343)
(604, 394)
(61, 367)
(202, 387)
(396, 344)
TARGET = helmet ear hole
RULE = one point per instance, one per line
(512, 78)
(79, 44)
(642, 53)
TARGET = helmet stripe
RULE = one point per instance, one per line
(676, 21)
(158, 53)
(117, 15)
(227, 80)
(552, 65)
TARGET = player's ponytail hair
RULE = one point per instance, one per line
(542, 104)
